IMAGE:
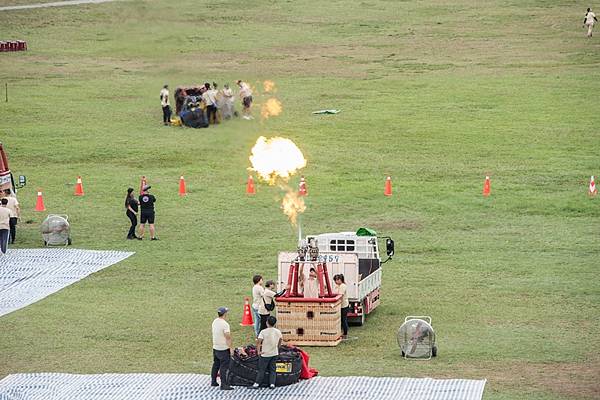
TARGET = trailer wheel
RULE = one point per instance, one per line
(434, 351)
(69, 242)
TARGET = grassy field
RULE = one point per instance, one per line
(437, 94)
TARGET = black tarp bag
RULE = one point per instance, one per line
(244, 367)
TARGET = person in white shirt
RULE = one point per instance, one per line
(257, 295)
(227, 102)
(5, 215)
(166, 106)
(340, 288)
(267, 347)
(246, 96)
(589, 20)
(210, 100)
(222, 349)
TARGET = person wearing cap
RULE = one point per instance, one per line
(267, 347)
(166, 106)
(147, 212)
(222, 349)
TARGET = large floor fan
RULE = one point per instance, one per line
(416, 338)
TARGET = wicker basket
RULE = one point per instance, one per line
(310, 322)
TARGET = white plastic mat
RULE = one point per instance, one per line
(29, 275)
(51, 386)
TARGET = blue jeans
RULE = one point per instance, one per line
(256, 319)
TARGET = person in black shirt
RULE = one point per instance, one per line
(131, 210)
(147, 212)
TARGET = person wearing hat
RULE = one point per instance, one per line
(147, 212)
(222, 349)
(166, 106)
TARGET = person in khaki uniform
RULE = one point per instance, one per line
(5, 215)
(222, 348)
(269, 341)
(340, 288)
(13, 206)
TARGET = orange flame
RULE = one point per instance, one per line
(276, 158)
(292, 205)
(271, 108)
(269, 86)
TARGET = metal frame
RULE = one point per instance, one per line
(427, 319)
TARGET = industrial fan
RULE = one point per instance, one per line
(416, 338)
(56, 230)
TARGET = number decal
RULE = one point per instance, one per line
(329, 258)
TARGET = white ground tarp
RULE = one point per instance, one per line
(29, 275)
(53, 4)
(49, 386)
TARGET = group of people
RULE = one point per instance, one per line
(144, 207)
(267, 346)
(205, 105)
(268, 337)
(10, 213)
(263, 298)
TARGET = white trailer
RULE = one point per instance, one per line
(356, 256)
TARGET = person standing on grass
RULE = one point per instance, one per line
(210, 100)
(147, 212)
(5, 215)
(589, 20)
(246, 96)
(266, 304)
(13, 206)
(131, 210)
(267, 347)
(227, 102)
(257, 295)
(166, 106)
(340, 288)
(222, 349)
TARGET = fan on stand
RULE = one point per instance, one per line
(416, 338)
(56, 230)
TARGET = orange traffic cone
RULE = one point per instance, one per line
(487, 187)
(388, 186)
(143, 183)
(182, 190)
(592, 190)
(247, 318)
(39, 205)
(79, 187)
(250, 185)
(302, 187)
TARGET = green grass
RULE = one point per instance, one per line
(436, 94)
